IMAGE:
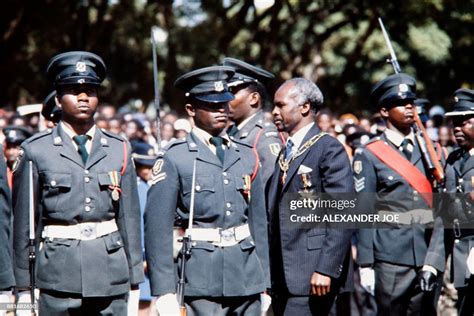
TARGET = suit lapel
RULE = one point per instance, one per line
(297, 162)
(60, 138)
(97, 152)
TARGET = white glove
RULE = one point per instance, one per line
(367, 279)
(167, 305)
(133, 300)
(265, 301)
(470, 261)
(5, 298)
(24, 297)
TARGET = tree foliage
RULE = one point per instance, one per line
(337, 43)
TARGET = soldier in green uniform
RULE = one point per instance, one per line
(228, 268)
(249, 87)
(87, 216)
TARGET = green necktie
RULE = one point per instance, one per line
(218, 142)
(81, 144)
(233, 130)
(405, 150)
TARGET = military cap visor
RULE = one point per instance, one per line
(78, 67)
(246, 73)
(143, 154)
(464, 105)
(393, 89)
(207, 84)
(15, 135)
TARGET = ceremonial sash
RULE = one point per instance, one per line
(394, 160)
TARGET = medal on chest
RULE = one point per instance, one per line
(115, 186)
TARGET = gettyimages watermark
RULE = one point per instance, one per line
(372, 210)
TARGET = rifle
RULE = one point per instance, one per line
(32, 254)
(187, 246)
(156, 87)
(428, 152)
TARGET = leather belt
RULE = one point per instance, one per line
(82, 231)
(221, 237)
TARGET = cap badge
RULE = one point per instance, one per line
(403, 87)
(218, 86)
(81, 66)
(81, 81)
(456, 99)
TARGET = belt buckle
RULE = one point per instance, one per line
(89, 232)
(227, 237)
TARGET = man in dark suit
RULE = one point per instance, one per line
(309, 266)
(456, 211)
(391, 258)
(7, 280)
(87, 216)
(227, 269)
(249, 87)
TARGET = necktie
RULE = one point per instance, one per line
(81, 144)
(233, 130)
(218, 142)
(289, 149)
(405, 144)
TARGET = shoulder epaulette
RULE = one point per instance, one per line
(113, 135)
(238, 142)
(38, 136)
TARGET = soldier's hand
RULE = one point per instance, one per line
(367, 279)
(167, 305)
(427, 279)
(320, 284)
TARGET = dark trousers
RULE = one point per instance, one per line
(304, 305)
(54, 303)
(398, 292)
(221, 306)
(465, 303)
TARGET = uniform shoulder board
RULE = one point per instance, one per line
(38, 136)
(358, 150)
(271, 134)
(113, 135)
(173, 143)
(238, 142)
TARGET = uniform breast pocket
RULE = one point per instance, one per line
(109, 184)
(204, 199)
(56, 191)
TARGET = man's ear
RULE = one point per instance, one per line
(190, 110)
(383, 112)
(305, 109)
(56, 100)
(254, 99)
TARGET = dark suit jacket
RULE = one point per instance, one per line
(6, 271)
(304, 251)
(69, 192)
